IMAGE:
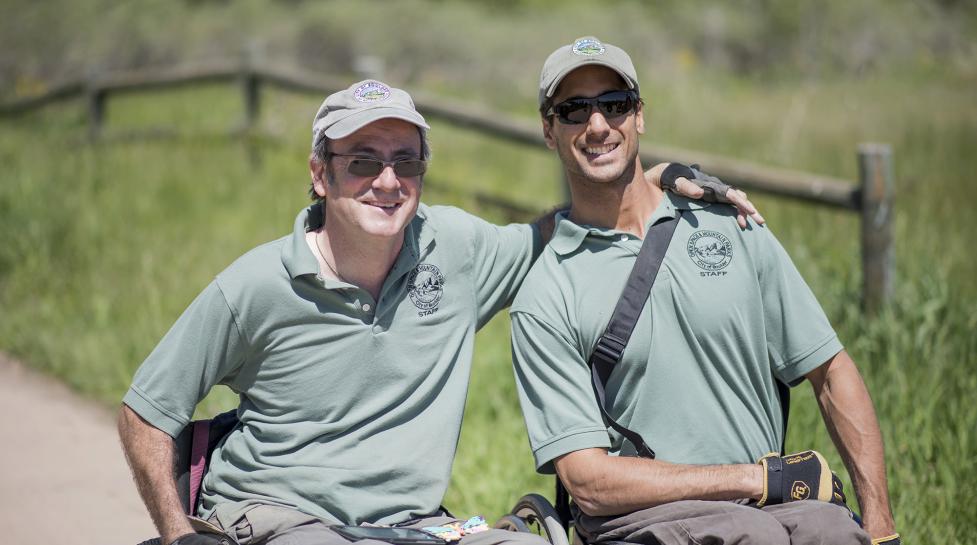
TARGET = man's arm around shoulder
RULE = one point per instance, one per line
(150, 453)
(603, 485)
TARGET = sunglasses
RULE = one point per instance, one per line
(578, 110)
(367, 167)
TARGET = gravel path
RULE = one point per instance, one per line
(63, 478)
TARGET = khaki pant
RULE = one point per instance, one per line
(727, 523)
(272, 525)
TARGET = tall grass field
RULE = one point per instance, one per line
(103, 244)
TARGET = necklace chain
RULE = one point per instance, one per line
(326, 261)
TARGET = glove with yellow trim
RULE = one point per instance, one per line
(887, 540)
(801, 476)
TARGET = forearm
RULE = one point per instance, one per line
(150, 453)
(607, 485)
(850, 418)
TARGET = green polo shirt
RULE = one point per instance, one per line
(730, 311)
(350, 408)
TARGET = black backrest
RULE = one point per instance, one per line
(220, 426)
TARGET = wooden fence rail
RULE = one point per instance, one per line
(871, 197)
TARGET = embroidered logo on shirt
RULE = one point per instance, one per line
(426, 288)
(711, 251)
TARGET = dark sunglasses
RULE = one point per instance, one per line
(612, 104)
(367, 167)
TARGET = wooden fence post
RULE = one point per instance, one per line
(251, 86)
(877, 211)
(97, 97)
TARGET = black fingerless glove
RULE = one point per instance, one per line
(888, 540)
(714, 190)
(672, 173)
(801, 476)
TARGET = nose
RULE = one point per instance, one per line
(597, 125)
(387, 179)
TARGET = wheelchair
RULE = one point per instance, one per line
(535, 514)
(194, 445)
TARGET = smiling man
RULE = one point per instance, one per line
(349, 343)
(728, 318)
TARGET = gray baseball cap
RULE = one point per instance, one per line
(362, 103)
(583, 51)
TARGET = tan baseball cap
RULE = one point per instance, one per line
(583, 51)
(362, 103)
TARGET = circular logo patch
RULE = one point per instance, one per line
(371, 91)
(588, 47)
(710, 250)
(426, 286)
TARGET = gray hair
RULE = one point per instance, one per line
(321, 154)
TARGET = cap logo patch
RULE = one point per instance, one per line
(371, 91)
(588, 47)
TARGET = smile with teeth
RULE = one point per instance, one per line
(383, 204)
(600, 150)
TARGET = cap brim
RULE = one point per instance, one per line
(362, 118)
(563, 73)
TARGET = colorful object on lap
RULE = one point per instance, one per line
(449, 532)
(456, 530)
(474, 525)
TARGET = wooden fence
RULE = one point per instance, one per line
(871, 197)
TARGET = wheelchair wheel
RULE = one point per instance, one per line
(535, 514)
(513, 523)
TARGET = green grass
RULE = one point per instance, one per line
(103, 245)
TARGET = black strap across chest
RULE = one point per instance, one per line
(610, 346)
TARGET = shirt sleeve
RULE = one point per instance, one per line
(799, 336)
(502, 256)
(202, 348)
(554, 387)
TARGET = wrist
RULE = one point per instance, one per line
(171, 535)
(888, 539)
(877, 526)
(754, 481)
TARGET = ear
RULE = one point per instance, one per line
(639, 118)
(317, 170)
(548, 132)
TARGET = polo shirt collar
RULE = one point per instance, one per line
(299, 260)
(568, 236)
(420, 235)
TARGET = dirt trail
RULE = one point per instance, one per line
(62, 475)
